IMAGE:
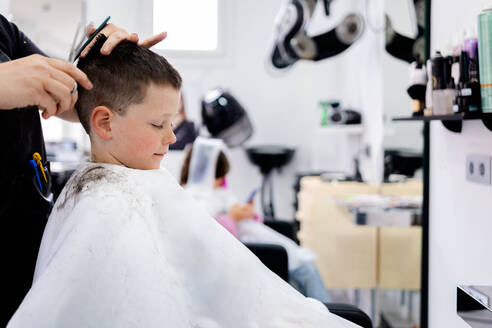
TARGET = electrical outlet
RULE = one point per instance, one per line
(478, 169)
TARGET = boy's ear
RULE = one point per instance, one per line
(101, 121)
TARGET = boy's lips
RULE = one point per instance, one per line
(159, 154)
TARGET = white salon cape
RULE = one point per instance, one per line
(128, 248)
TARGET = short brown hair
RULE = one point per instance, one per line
(221, 169)
(121, 78)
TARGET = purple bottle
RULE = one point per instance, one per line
(470, 46)
(471, 90)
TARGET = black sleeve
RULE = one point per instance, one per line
(14, 43)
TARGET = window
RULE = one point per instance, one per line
(192, 25)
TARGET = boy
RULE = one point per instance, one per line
(124, 245)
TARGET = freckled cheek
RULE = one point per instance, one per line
(140, 142)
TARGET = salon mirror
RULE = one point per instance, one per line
(403, 147)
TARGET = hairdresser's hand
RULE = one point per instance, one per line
(240, 212)
(40, 81)
(116, 34)
(153, 40)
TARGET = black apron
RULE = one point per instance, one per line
(24, 204)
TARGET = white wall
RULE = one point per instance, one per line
(4, 7)
(460, 220)
(50, 24)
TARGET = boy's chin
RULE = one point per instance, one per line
(144, 166)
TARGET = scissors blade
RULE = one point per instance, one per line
(74, 43)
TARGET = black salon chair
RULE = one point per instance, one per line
(288, 229)
(275, 258)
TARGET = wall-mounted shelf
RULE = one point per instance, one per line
(343, 129)
(473, 305)
(453, 122)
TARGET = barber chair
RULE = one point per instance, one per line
(274, 257)
(288, 229)
(350, 313)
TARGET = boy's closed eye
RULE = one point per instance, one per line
(160, 125)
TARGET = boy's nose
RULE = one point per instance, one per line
(170, 138)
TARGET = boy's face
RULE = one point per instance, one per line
(141, 137)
